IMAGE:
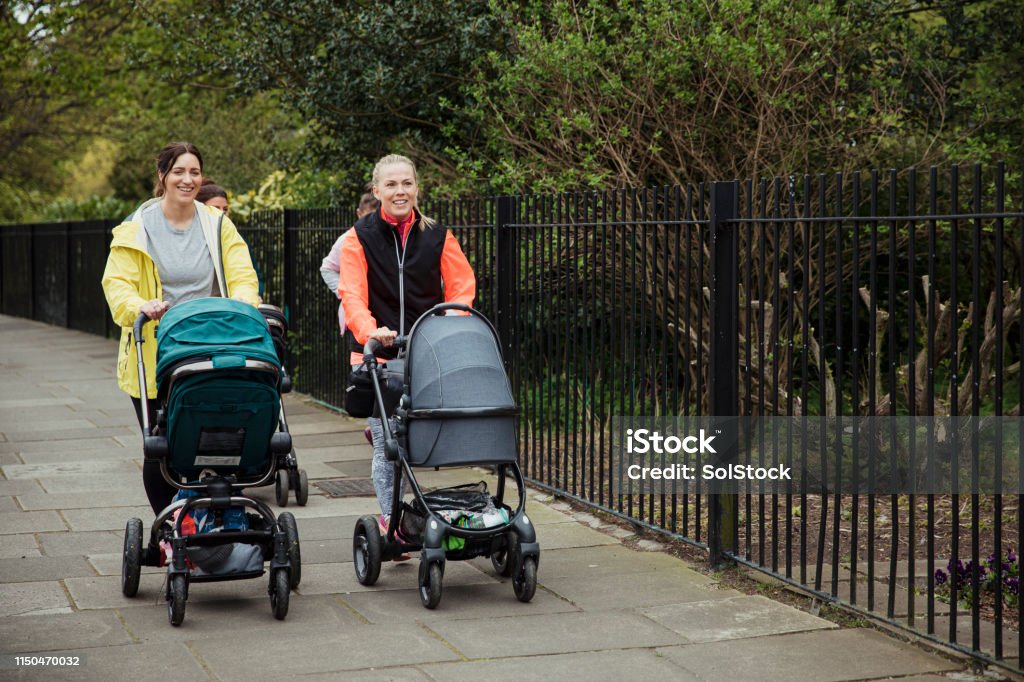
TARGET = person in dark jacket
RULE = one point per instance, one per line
(400, 264)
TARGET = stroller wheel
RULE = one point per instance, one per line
(131, 560)
(503, 560)
(366, 550)
(291, 531)
(279, 592)
(302, 489)
(430, 584)
(281, 488)
(176, 598)
(525, 584)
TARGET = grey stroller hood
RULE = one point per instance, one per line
(453, 362)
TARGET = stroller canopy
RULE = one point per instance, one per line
(208, 327)
(455, 362)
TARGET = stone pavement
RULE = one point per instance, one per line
(70, 456)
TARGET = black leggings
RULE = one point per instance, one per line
(158, 490)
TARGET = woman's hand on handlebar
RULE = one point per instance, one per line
(154, 309)
(384, 335)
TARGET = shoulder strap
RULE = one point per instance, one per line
(220, 259)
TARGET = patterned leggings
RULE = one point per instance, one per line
(383, 471)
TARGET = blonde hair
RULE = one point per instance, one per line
(425, 221)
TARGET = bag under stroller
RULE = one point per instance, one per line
(455, 410)
(219, 429)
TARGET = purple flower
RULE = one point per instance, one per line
(940, 576)
(1012, 584)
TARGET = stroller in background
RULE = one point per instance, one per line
(219, 429)
(289, 475)
(456, 409)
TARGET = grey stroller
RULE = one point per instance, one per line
(454, 409)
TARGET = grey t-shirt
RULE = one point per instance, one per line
(181, 256)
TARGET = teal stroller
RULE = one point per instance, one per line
(219, 428)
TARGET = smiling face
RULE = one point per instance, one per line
(396, 189)
(182, 181)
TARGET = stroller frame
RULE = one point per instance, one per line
(513, 547)
(279, 537)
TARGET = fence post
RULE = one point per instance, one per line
(289, 308)
(723, 384)
(505, 275)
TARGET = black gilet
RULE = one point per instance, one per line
(392, 271)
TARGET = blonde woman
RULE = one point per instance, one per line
(397, 261)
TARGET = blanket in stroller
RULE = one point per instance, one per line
(231, 557)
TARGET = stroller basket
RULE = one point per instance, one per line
(460, 409)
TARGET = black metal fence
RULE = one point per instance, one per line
(875, 295)
(52, 272)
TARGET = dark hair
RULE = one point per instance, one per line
(209, 190)
(368, 202)
(166, 158)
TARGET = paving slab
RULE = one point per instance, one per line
(354, 468)
(91, 482)
(321, 505)
(61, 632)
(591, 665)
(587, 562)
(628, 590)
(101, 499)
(110, 564)
(71, 435)
(565, 535)
(17, 546)
(494, 600)
(334, 453)
(57, 452)
(7, 504)
(105, 518)
(106, 453)
(34, 569)
(66, 468)
(248, 619)
(37, 402)
(27, 599)
(319, 652)
(332, 551)
(554, 634)
(79, 543)
(854, 654)
(30, 522)
(13, 488)
(327, 528)
(55, 425)
(104, 592)
(340, 578)
(316, 428)
(734, 618)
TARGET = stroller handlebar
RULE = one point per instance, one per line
(373, 346)
(142, 319)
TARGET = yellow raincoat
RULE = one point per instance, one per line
(130, 279)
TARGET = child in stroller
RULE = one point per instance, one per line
(219, 429)
(456, 409)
